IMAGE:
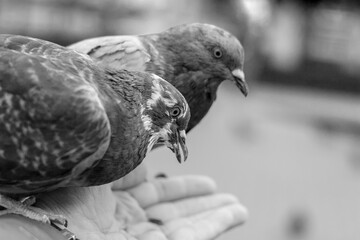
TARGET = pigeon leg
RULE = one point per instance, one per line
(25, 209)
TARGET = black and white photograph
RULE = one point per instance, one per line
(179, 120)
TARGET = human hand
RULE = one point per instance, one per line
(184, 207)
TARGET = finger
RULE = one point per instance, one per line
(189, 207)
(146, 231)
(170, 189)
(206, 225)
(152, 235)
(134, 178)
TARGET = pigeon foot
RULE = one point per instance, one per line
(25, 209)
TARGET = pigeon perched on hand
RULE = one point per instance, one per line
(64, 121)
(195, 58)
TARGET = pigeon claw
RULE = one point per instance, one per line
(25, 209)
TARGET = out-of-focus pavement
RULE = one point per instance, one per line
(291, 156)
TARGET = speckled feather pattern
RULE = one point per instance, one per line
(51, 115)
(64, 121)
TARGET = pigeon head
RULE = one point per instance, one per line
(215, 52)
(195, 58)
(166, 116)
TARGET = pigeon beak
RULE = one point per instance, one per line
(239, 79)
(176, 142)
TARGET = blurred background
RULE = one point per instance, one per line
(290, 151)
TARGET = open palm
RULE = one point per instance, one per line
(184, 207)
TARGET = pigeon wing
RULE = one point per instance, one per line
(53, 125)
(118, 52)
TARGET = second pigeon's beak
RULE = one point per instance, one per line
(176, 142)
(239, 78)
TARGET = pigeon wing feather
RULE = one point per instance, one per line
(118, 52)
(52, 122)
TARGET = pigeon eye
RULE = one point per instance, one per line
(217, 52)
(175, 112)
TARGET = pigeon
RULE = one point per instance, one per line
(195, 58)
(65, 121)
